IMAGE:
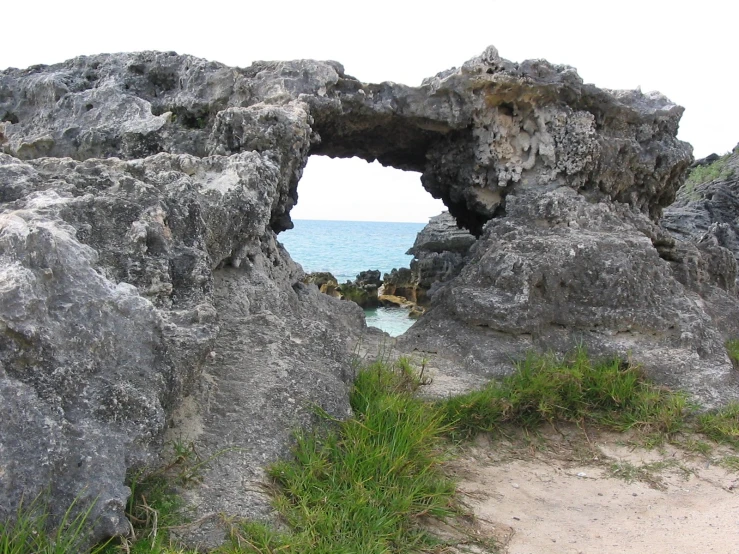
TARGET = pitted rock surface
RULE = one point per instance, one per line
(708, 213)
(558, 272)
(111, 309)
(476, 133)
(142, 285)
(439, 252)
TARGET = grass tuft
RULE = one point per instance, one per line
(30, 530)
(710, 172)
(574, 389)
(154, 504)
(362, 486)
(721, 425)
(732, 348)
(367, 484)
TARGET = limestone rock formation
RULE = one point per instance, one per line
(475, 133)
(363, 290)
(400, 282)
(558, 271)
(141, 282)
(707, 207)
(122, 283)
(325, 281)
(440, 251)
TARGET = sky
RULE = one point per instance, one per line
(687, 51)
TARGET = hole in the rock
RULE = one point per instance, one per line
(507, 109)
(10, 117)
(88, 107)
(353, 216)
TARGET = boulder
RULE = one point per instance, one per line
(441, 234)
(363, 295)
(400, 282)
(371, 277)
(325, 281)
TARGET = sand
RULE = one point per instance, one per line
(567, 491)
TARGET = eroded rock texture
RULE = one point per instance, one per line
(707, 212)
(439, 252)
(141, 282)
(558, 271)
(475, 133)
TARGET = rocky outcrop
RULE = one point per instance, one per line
(400, 282)
(142, 282)
(439, 253)
(325, 281)
(475, 133)
(559, 271)
(706, 211)
(363, 290)
(114, 301)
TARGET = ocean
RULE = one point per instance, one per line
(347, 247)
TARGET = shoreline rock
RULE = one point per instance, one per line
(141, 198)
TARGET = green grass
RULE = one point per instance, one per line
(730, 462)
(732, 348)
(154, 505)
(710, 172)
(545, 388)
(30, 532)
(363, 486)
(367, 485)
(721, 425)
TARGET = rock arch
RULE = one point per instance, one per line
(141, 195)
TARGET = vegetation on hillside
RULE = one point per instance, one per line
(711, 172)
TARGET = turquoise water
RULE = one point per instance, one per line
(347, 247)
(394, 321)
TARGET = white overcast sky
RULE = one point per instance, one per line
(688, 51)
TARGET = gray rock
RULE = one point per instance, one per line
(559, 271)
(708, 212)
(112, 305)
(440, 251)
(476, 133)
(369, 277)
(441, 234)
(142, 286)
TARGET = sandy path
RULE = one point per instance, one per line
(559, 494)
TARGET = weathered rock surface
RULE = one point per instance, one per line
(325, 281)
(559, 271)
(440, 251)
(707, 212)
(363, 290)
(141, 281)
(475, 133)
(128, 288)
